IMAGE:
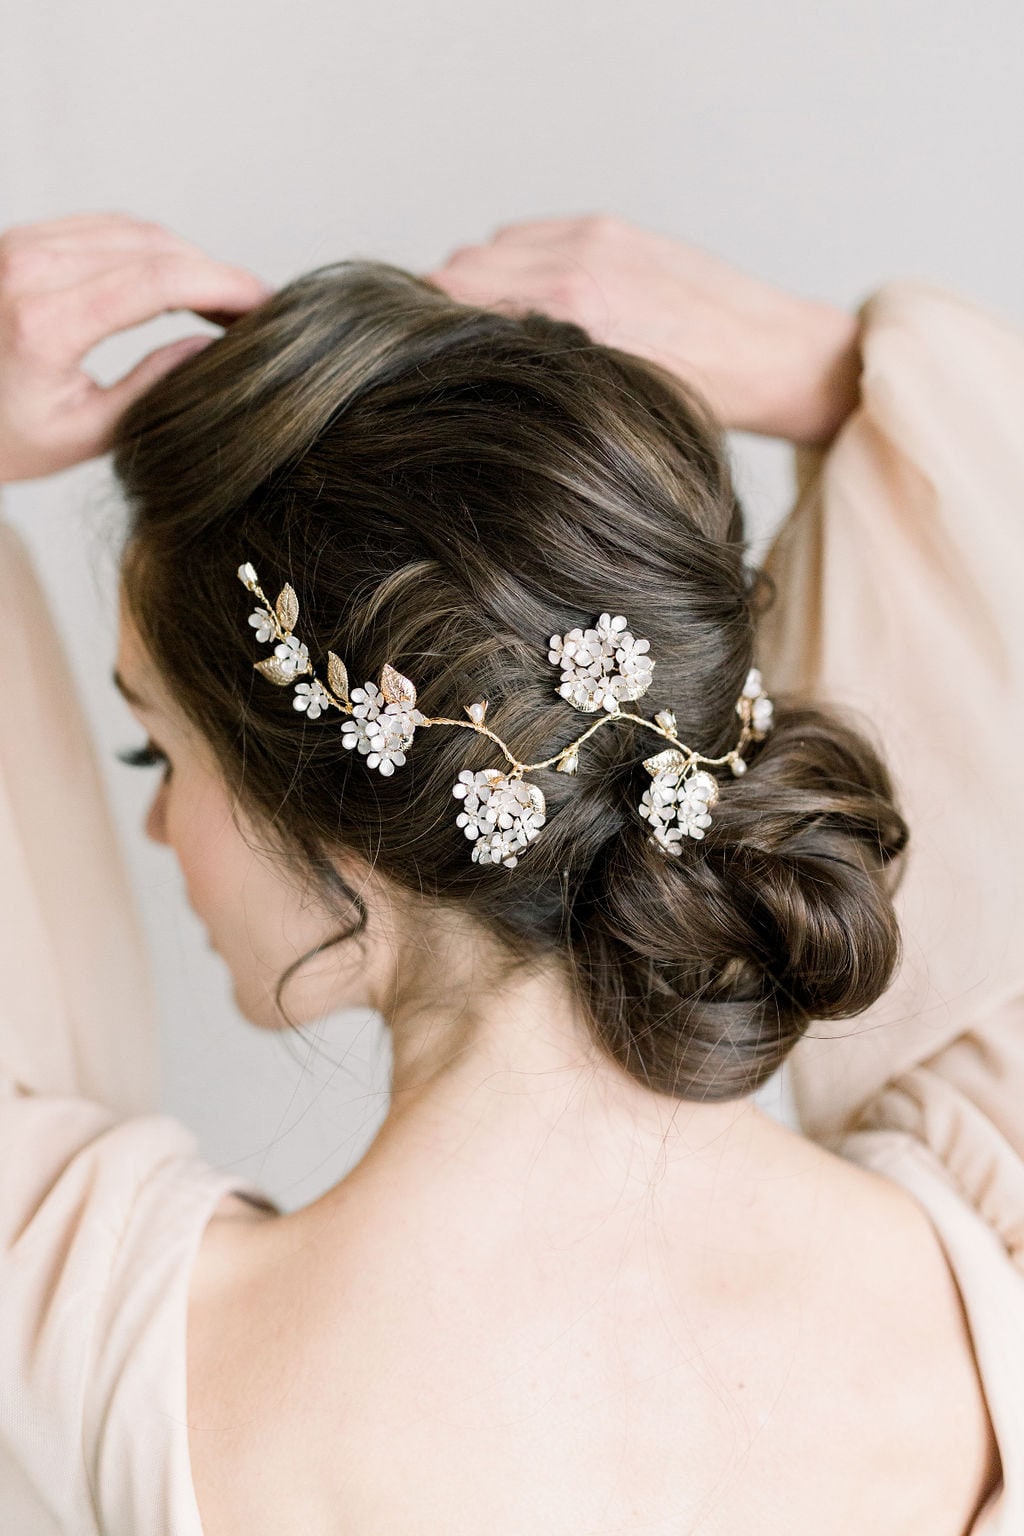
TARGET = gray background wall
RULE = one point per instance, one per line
(827, 147)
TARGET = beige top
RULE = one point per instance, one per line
(897, 573)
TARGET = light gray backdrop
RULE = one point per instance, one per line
(827, 147)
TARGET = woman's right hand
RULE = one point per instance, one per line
(765, 360)
(65, 285)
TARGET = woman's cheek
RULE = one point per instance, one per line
(198, 830)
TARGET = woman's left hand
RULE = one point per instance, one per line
(766, 360)
(66, 285)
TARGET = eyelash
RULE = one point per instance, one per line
(147, 756)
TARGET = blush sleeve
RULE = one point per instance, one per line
(899, 574)
(103, 1199)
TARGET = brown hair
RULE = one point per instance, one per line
(445, 487)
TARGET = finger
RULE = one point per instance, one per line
(131, 295)
(534, 231)
(463, 254)
(81, 265)
(516, 276)
(481, 288)
(125, 239)
(87, 420)
(49, 266)
(86, 228)
(507, 264)
(43, 258)
(103, 408)
(136, 235)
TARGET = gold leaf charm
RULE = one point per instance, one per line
(396, 688)
(337, 676)
(275, 672)
(287, 606)
(671, 759)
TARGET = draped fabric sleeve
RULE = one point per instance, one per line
(898, 599)
(899, 576)
(103, 1199)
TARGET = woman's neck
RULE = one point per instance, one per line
(501, 1098)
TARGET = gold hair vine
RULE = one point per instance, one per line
(600, 668)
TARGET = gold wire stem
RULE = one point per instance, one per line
(611, 714)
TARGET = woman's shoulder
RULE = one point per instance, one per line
(966, 1284)
(856, 1322)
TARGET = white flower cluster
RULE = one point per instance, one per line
(381, 732)
(677, 804)
(602, 667)
(754, 705)
(501, 814)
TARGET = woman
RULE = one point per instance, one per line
(579, 1282)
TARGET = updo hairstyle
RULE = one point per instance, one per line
(445, 487)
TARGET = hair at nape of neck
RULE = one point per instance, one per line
(601, 668)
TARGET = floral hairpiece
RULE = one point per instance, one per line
(600, 669)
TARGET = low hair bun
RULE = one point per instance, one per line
(707, 968)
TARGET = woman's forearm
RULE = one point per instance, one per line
(808, 398)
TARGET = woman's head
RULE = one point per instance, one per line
(445, 488)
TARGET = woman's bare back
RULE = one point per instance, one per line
(368, 1365)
